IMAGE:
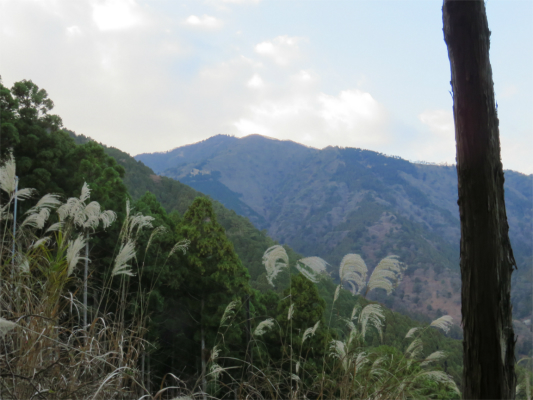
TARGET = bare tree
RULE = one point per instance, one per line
(486, 256)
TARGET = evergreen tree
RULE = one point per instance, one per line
(301, 320)
(216, 277)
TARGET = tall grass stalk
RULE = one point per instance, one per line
(47, 350)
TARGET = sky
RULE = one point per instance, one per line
(152, 75)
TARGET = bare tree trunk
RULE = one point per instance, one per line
(486, 256)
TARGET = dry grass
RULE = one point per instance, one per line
(45, 351)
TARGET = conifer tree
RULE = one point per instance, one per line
(216, 275)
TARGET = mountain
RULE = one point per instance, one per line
(335, 201)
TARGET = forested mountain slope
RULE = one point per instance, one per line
(340, 200)
(170, 284)
(250, 243)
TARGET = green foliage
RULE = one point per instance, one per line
(307, 308)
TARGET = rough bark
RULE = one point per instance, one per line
(486, 256)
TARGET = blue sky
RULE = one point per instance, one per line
(151, 75)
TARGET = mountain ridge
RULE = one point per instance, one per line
(334, 201)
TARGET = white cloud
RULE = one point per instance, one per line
(350, 109)
(204, 22)
(436, 142)
(304, 76)
(440, 122)
(116, 14)
(255, 82)
(352, 118)
(283, 50)
(73, 30)
(245, 125)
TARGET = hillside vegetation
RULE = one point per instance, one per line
(336, 201)
(182, 296)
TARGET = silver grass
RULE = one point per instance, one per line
(414, 348)
(91, 215)
(45, 240)
(338, 350)
(361, 360)
(440, 377)
(36, 220)
(263, 327)
(215, 370)
(182, 245)
(123, 231)
(6, 326)
(297, 368)
(85, 216)
(55, 227)
(445, 322)
(7, 175)
(85, 192)
(312, 268)
(215, 353)
(375, 370)
(5, 214)
(433, 357)
(182, 398)
(291, 312)
(387, 274)
(73, 253)
(271, 261)
(157, 231)
(411, 332)
(229, 311)
(309, 332)
(356, 311)
(23, 194)
(316, 327)
(353, 289)
(69, 208)
(108, 217)
(47, 201)
(349, 324)
(353, 269)
(126, 254)
(372, 314)
(337, 292)
(351, 337)
(139, 221)
(23, 264)
(382, 280)
(295, 377)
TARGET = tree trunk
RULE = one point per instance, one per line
(486, 256)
